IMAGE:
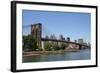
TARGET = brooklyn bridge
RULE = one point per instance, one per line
(36, 32)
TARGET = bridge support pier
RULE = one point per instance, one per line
(80, 46)
(42, 45)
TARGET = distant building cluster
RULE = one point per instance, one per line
(61, 37)
(68, 45)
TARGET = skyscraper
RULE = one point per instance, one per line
(68, 39)
(80, 41)
(61, 37)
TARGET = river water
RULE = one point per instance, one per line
(83, 54)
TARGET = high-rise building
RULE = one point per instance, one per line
(75, 41)
(68, 39)
(47, 37)
(52, 36)
(61, 37)
(80, 41)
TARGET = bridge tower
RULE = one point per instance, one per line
(36, 31)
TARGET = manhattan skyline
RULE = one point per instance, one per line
(70, 24)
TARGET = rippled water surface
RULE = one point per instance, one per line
(79, 55)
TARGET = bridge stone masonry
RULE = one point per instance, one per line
(36, 32)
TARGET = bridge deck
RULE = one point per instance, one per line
(57, 40)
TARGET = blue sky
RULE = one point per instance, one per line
(70, 24)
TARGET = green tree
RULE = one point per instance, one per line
(56, 47)
(48, 46)
(63, 46)
(29, 43)
(25, 40)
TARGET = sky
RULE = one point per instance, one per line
(70, 24)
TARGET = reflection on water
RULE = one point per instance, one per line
(79, 55)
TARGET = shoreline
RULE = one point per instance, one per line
(36, 53)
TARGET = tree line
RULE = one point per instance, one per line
(30, 44)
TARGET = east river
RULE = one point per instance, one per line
(83, 54)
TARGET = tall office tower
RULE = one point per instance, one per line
(80, 41)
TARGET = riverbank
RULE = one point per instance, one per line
(82, 54)
(36, 53)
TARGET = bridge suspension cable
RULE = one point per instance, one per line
(45, 31)
(26, 29)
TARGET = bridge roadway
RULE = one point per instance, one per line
(56, 40)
